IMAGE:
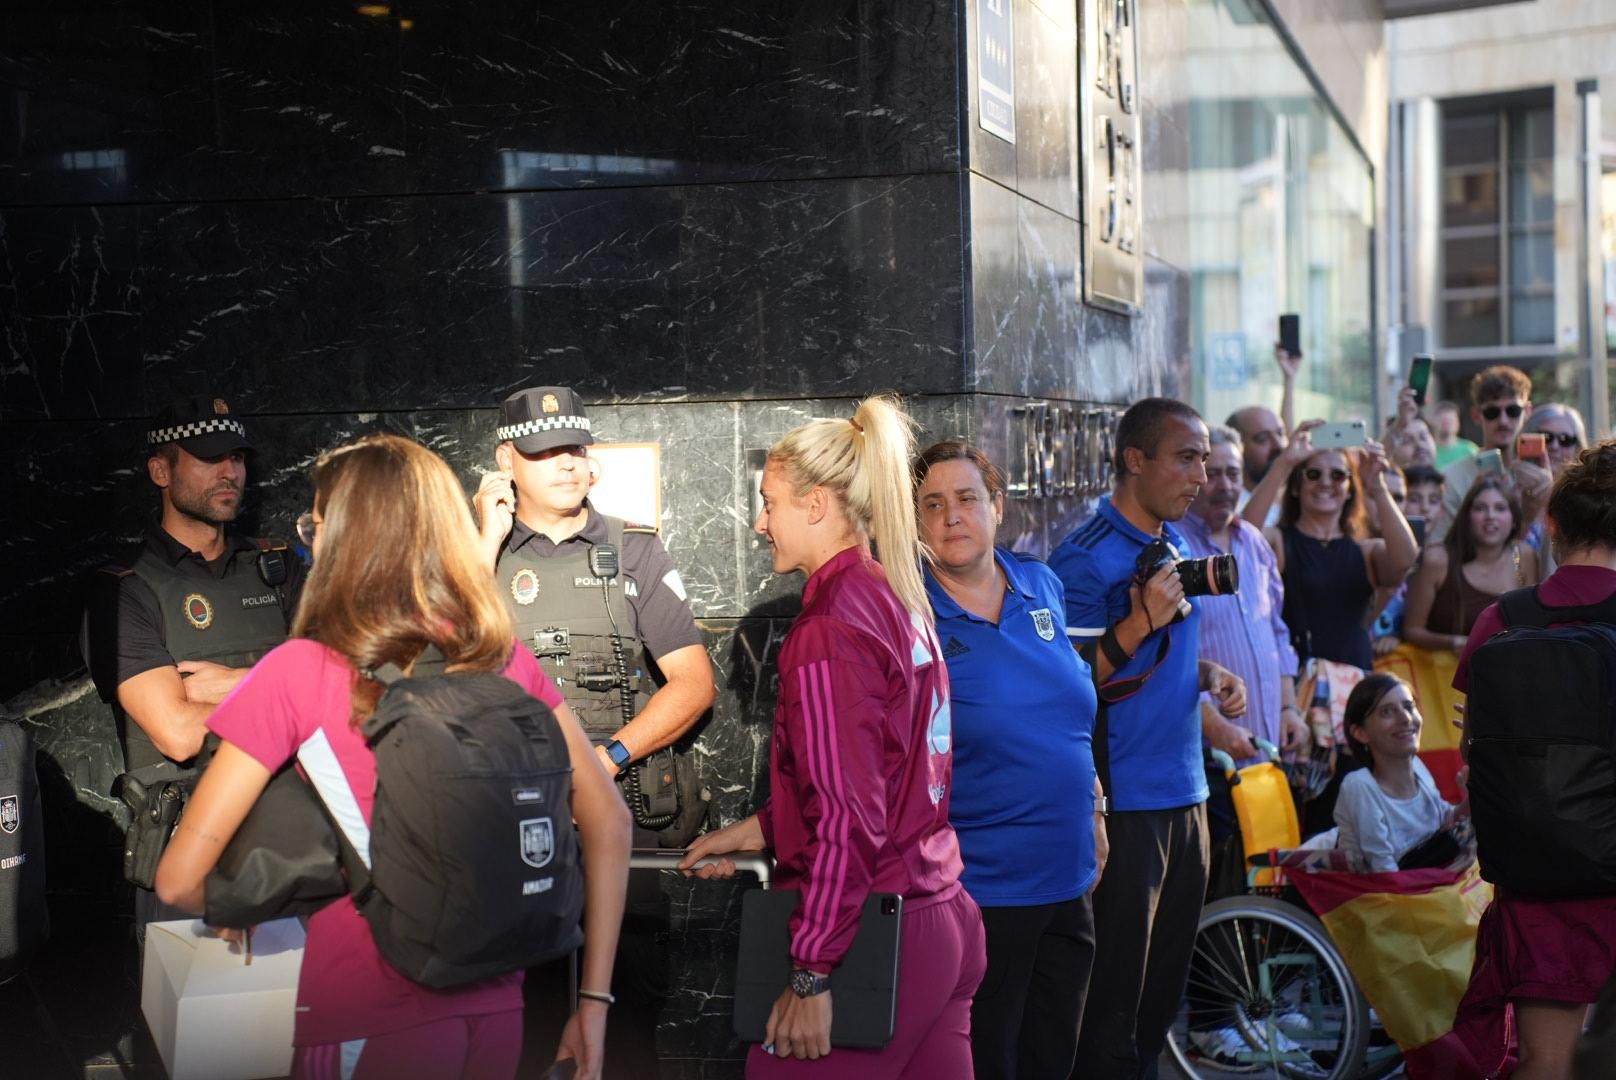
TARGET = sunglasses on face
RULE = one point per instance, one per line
(1566, 439)
(1337, 476)
(1490, 412)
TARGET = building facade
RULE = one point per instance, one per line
(1502, 157)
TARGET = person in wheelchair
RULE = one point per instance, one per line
(1390, 807)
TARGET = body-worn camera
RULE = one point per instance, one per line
(552, 641)
(1215, 575)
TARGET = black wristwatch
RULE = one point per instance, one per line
(806, 984)
(619, 754)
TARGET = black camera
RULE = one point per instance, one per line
(1215, 575)
(555, 641)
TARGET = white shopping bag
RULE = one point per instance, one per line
(213, 1015)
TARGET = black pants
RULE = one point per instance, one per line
(1145, 914)
(1026, 1013)
(639, 982)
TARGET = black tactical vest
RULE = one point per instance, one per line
(233, 620)
(561, 612)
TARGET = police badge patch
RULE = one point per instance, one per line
(525, 586)
(198, 612)
(538, 842)
(10, 814)
(1043, 620)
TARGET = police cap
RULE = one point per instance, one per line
(543, 418)
(202, 426)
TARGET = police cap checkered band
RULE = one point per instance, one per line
(549, 423)
(179, 432)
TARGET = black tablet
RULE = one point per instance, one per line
(865, 985)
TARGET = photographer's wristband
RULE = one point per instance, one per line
(1113, 650)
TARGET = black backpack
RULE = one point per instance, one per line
(24, 918)
(1541, 722)
(473, 868)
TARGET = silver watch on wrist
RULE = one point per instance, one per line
(805, 983)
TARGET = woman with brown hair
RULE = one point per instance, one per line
(1548, 959)
(1331, 566)
(395, 572)
(1481, 558)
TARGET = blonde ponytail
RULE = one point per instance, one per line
(865, 461)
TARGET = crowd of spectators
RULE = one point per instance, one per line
(1022, 749)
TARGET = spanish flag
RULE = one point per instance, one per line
(1409, 939)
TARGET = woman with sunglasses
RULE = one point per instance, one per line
(396, 570)
(1330, 565)
(1481, 558)
(1564, 437)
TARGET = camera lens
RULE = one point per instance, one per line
(1215, 575)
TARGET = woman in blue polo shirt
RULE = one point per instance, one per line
(1023, 802)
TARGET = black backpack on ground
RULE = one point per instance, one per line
(24, 918)
(473, 868)
(1540, 718)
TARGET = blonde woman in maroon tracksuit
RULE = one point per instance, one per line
(860, 763)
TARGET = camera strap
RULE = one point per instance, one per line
(1122, 689)
(1109, 694)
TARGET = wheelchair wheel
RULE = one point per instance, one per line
(1268, 994)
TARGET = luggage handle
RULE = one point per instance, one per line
(755, 862)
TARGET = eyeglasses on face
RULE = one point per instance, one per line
(1566, 439)
(1337, 476)
(1490, 412)
(307, 527)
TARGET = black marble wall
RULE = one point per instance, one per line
(714, 219)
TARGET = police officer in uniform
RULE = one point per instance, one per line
(602, 607)
(170, 632)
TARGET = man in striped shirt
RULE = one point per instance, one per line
(1244, 632)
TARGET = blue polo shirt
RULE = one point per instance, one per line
(1023, 705)
(1155, 735)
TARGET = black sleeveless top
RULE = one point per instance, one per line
(1327, 597)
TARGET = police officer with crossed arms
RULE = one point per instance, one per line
(169, 631)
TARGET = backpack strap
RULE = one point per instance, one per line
(430, 661)
(1522, 607)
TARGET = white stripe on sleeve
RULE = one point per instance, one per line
(319, 760)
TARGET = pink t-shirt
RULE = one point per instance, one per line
(297, 695)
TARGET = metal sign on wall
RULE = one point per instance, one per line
(1112, 155)
(996, 68)
(1060, 449)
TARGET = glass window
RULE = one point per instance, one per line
(1531, 320)
(1482, 202)
(1531, 194)
(1531, 259)
(1470, 140)
(1470, 198)
(1279, 219)
(1470, 263)
(1470, 322)
(1531, 133)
